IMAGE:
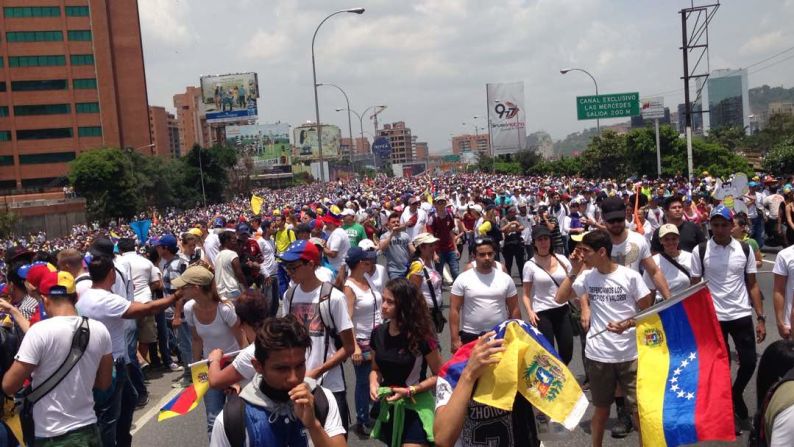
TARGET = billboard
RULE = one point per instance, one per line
(267, 144)
(652, 108)
(305, 138)
(229, 98)
(506, 117)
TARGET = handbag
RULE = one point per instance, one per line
(439, 321)
(30, 396)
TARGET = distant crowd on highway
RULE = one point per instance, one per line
(389, 277)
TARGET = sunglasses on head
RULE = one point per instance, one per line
(483, 241)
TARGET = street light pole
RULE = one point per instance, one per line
(314, 84)
(566, 70)
(349, 125)
(360, 120)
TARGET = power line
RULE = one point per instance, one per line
(773, 64)
(770, 57)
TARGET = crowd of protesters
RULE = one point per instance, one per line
(297, 289)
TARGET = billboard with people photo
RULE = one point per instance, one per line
(230, 97)
(265, 143)
(307, 146)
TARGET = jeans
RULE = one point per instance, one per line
(163, 338)
(213, 404)
(283, 280)
(742, 332)
(133, 367)
(129, 399)
(6, 438)
(344, 411)
(185, 344)
(450, 258)
(362, 392)
(87, 436)
(514, 252)
(757, 230)
(271, 294)
(396, 273)
(108, 410)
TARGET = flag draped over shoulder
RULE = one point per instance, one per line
(683, 376)
(184, 402)
(256, 203)
(529, 366)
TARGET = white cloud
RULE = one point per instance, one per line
(763, 43)
(266, 45)
(166, 21)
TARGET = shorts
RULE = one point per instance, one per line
(147, 330)
(604, 378)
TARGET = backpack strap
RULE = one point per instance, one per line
(234, 420)
(321, 405)
(289, 295)
(702, 255)
(430, 287)
(79, 344)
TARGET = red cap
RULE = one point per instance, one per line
(37, 273)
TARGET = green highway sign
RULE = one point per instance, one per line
(607, 106)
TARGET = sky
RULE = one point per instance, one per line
(428, 61)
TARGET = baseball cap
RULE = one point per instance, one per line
(243, 228)
(195, 232)
(721, 211)
(752, 184)
(424, 238)
(102, 247)
(167, 240)
(16, 252)
(219, 222)
(412, 200)
(367, 244)
(666, 229)
(301, 250)
(613, 208)
(303, 228)
(331, 219)
(441, 197)
(57, 284)
(540, 231)
(357, 254)
(348, 212)
(197, 274)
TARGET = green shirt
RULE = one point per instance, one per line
(356, 233)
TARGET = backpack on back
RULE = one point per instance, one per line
(234, 415)
(323, 308)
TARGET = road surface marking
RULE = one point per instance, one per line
(146, 417)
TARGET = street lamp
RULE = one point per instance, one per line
(360, 122)
(349, 126)
(314, 84)
(566, 70)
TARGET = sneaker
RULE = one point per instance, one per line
(142, 402)
(183, 382)
(624, 426)
(174, 367)
(363, 430)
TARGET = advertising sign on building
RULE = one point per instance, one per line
(305, 138)
(506, 117)
(229, 98)
(265, 143)
(381, 147)
(652, 108)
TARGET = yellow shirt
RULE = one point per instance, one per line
(283, 239)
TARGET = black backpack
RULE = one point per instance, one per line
(326, 316)
(10, 339)
(234, 415)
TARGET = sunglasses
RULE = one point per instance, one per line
(295, 266)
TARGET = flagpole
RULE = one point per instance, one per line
(660, 306)
(227, 355)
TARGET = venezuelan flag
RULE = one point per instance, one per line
(683, 376)
(530, 366)
(453, 368)
(184, 402)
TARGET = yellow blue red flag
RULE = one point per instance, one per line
(184, 402)
(530, 366)
(683, 375)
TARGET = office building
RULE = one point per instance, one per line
(360, 146)
(728, 100)
(165, 133)
(470, 143)
(192, 125)
(72, 80)
(697, 118)
(421, 151)
(400, 140)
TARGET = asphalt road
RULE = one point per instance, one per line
(191, 429)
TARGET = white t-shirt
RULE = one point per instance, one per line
(269, 267)
(107, 308)
(225, 279)
(783, 429)
(339, 242)
(415, 268)
(305, 306)
(725, 270)
(632, 251)
(421, 222)
(482, 422)
(333, 424)
(613, 297)
(70, 405)
(143, 273)
(544, 290)
(784, 266)
(218, 334)
(212, 246)
(676, 279)
(378, 279)
(366, 310)
(484, 299)
(242, 362)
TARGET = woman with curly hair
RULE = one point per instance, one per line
(402, 349)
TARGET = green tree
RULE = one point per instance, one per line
(641, 150)
(605, 156)
(106, 178)
(8, 222)
(527, 159)
(214, 164)
(731, 138)
(780, 160)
